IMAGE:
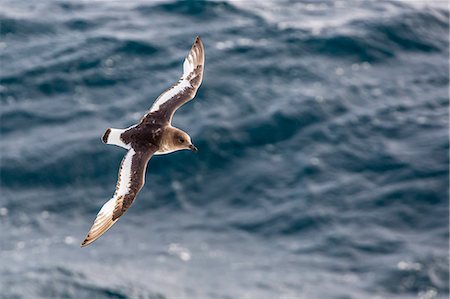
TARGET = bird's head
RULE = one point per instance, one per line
(179, 140)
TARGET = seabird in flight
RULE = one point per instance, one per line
(153, 135)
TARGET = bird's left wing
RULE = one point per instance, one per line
(130, 181)
(186, 88)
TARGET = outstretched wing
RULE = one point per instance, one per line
(186, 88)
(129, 183)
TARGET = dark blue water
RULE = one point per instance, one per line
(323, 162)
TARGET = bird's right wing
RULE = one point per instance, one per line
(129, 183)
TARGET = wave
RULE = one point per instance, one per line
(207, 10)
(376, 41)
(22, 27)
(61, 281)
(87, 63)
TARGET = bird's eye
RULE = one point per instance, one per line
(181, 140)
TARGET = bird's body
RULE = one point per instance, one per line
(153, 135)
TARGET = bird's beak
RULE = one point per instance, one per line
(193, 148)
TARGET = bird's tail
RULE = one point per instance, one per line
(112, 136)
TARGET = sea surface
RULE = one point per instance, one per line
(322, 170)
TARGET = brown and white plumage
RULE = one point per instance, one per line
(130, 180)
(152, 135)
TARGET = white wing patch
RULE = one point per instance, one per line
(104, 219)
(188, 64)
(171, 92)
(114, 138)
(102, 222)
(123, 185)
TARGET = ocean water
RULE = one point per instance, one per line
(322, 170)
